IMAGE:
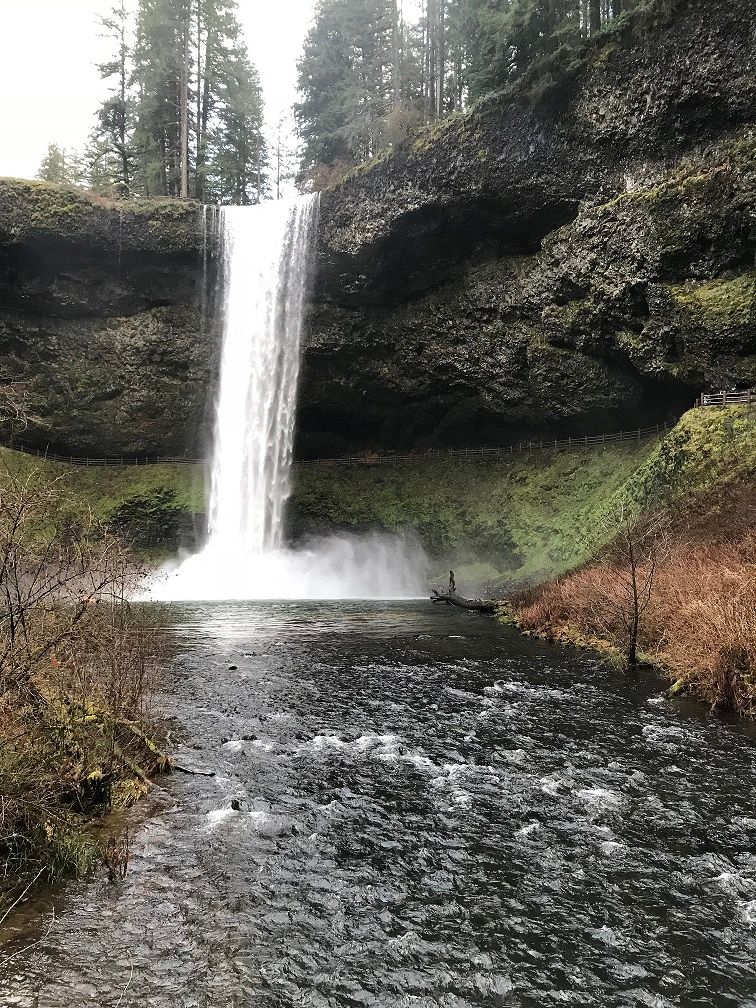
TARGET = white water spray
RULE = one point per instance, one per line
(266, 266)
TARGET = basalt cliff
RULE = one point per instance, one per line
(580, 264)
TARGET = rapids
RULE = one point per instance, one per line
(433, 812)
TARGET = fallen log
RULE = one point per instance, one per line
(193, 770)
(452, 598)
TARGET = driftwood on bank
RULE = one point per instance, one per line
(451, 598)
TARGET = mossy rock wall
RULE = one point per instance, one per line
(576, 264)
(107, 318)
(516, 270)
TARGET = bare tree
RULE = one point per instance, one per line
(627, 570)
(17, 403)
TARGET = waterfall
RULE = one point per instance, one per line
(266, 260)
(265, 270)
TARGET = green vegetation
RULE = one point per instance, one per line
(683, 531)
(718, 304)
(150, 505)
(33, 210)
(524, 518)
(531, 517)
(370, 80)
(184, 113)
(707, 447)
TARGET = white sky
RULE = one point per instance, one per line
(50, 88)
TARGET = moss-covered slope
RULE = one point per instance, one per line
(526, 518)
(39, 213)
(157, 507)
(519, 520)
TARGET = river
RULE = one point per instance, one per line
(435, 811)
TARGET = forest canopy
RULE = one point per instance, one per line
(184, 113)
(369, 77)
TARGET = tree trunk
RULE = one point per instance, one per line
(632, 640)
(595, 16)
(440, 59)
(453, 599)
(205, 112)
(184, 110)
(199, 174)
(123, 52)
(396, 69)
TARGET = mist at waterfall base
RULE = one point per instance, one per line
(266, 266)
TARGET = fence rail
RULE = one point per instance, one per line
(472, 454)
(707, 400)
(370, 458)
(747, 398)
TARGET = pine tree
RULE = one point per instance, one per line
(236, 168)
(284, 155)
(161, 77)
(232, 160)
(66, 167)
(198, 106)
(111, 146)
(347, 79)
(53, 167)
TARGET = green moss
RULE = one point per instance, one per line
(718, 304)
(148, 503)
(32, 210)
(527, 517)
(521, 518)
(706, 447)
(566, 315)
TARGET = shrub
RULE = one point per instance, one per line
(75, 660)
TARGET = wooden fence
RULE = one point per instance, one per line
(392, 458)
(708, 400)
(486, 454)
(728, 399)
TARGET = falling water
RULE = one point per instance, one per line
(266, 259)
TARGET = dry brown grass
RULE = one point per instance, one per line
(700, 621)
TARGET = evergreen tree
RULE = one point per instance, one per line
(232, 156)
(111, 145)
(284, 155)
(348, 82)
(198, 109)
(53, 167)
(367, 79)
(64, 167)
(161, 80)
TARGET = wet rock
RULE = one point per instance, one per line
(581, 265)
